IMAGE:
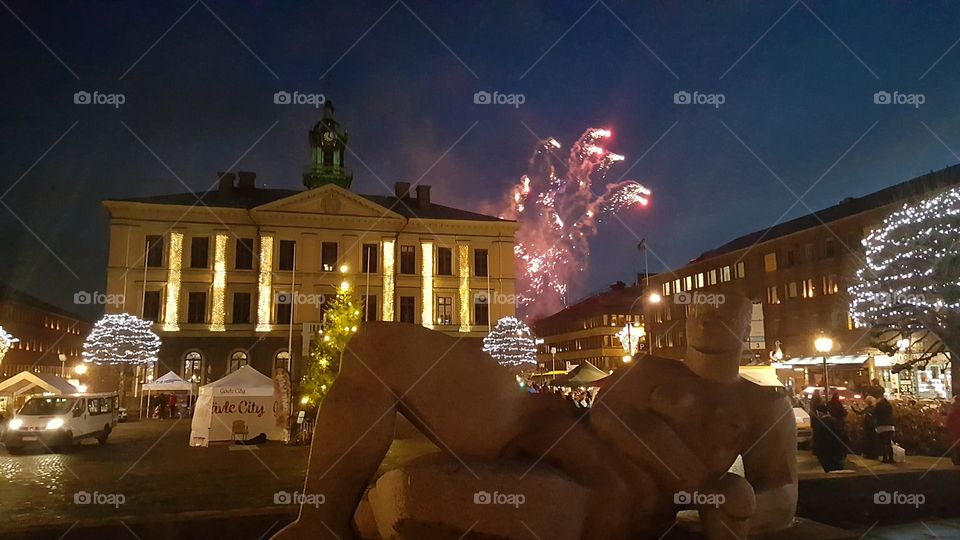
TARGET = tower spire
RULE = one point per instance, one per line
(328, 143)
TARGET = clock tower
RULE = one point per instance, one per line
(328, 141)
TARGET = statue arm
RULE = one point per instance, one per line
(770, 465)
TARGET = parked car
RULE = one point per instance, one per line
(804, 429)
(56, 422)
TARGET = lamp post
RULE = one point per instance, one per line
(824, 344)
(63, 365)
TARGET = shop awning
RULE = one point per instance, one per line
(814, 361)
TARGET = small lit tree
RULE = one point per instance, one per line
(6, 342)
(511, 343)
(908, 292)
(341, 321)
(121, 339)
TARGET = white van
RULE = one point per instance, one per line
(62, 421)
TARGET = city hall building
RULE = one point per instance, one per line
(239, 275)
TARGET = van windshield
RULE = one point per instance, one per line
(48, 406)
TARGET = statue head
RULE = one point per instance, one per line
(716, 333)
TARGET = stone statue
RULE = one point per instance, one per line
(660, 437)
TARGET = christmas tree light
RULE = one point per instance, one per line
(511, 343)
(6, 342)
(341, 322)
(121, 339)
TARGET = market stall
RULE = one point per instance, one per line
(240, 406)
(167, 384)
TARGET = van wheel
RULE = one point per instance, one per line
(66, 445)
(102, 439)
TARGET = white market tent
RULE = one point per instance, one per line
(171, 382)
(246, 400)
(15, 390)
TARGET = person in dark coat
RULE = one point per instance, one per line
(885, 428)
(871, 441)
(836, 408)
(816, 401)
(829, 440)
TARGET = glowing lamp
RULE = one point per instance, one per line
(823, 344)
(654, 298)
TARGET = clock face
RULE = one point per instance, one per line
(328, 136)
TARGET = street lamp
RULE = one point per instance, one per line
(655, 298)
(63, 365)
(80, 369)
(824, 344)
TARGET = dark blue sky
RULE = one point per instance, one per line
(798, 80)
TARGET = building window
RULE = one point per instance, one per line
(831, 284)
(829, 250)
(444, 261)
(700, 281)
(408, 309)
(241, 308)
(193, 367)
(739, 271)
(243, 257)
(770, 262)
(725, 274)
(676, 285)
(238, 360)
(666, 289)
(370, 263)
(284, 302)
(408, 260)
(809, 289)
(370, 307)
(281, 360)
(151, 306)
(791, 289)
(288, 249)
(197, 307)
(688, 282)
(773, 295)
(808, 255)
(791, 258)
(712, 277)
(480, 262)
(444, 309)
(199, 252)
(328, 256)
(154, 251)
(481, 310)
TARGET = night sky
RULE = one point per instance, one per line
(798, 80)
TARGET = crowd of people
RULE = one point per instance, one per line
(166, 406)
(581, 398)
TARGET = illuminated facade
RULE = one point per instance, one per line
(227, 279)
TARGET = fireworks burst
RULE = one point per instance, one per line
(559, 213)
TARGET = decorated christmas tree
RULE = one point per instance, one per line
(511, 343)
(341, 321)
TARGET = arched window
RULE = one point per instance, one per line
(238, 360)
(193, 367)
(281, 359)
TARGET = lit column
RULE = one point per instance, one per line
(219, 283)
(426, 272)
(463, 262)
(174, 261)
(265, 285)
(388, 260)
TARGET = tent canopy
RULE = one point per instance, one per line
(25, 383)
(586, 374)
(170, 382)
(245, 381)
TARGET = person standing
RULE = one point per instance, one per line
(816, 401)
(172, 403)
(883, 414)
(870, 438)
(836, 408)
(953, 426)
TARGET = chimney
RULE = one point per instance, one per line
(423, 196)
(246, 180)
(401, 190)
(225, 186)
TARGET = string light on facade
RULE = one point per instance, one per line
(121, 338)
(219, 284)
(463, 258)
(174, 263)
(6, 342)
(388, 262)
(511, 343)
(265, 284)
(426, 273)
